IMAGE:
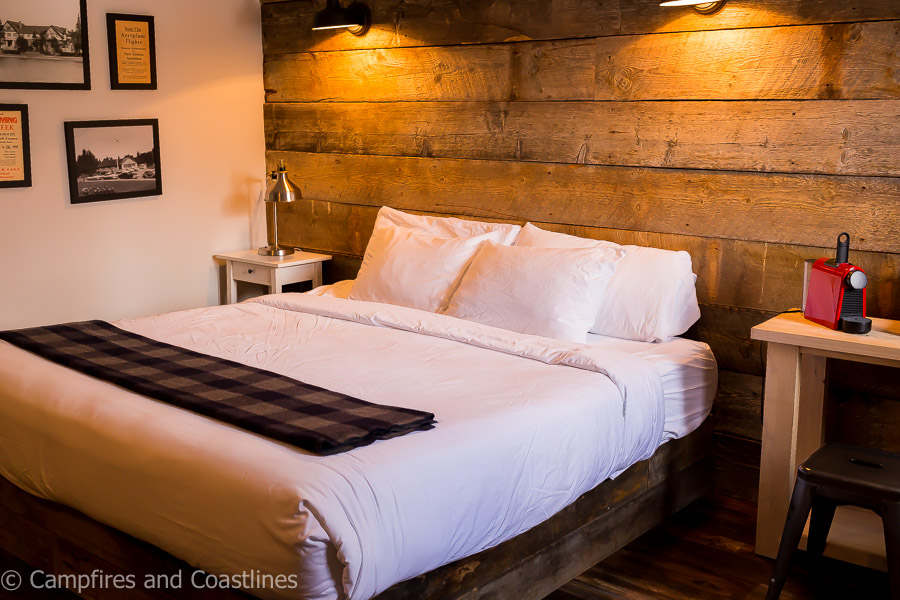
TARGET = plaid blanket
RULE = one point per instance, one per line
(263, 402)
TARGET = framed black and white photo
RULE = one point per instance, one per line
(109, 160)
(15, 147)
(132, 51)
(44, 45)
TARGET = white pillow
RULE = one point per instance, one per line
(338, 289)
(651, 297)
(447, 227)
(541, 238)
(409, 268)
(543, 291)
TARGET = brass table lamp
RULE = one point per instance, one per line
(284, 190)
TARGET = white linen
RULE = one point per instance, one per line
(519, 437)
(651, 297)
(689, 378)
(687, 367)
(542, 291)
(533, 236)
(406, 267)
(447, 227)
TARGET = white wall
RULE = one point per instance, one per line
(121, 258)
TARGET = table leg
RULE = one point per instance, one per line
(230, 284)
(792, 430)
(317, 275)
(275, 283)
(811, 415)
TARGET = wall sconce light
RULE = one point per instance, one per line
(704, 7)
(284, 190)
(356, 18)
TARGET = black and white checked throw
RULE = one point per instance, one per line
(259, 401)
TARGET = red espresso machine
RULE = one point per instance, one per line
(836, 292)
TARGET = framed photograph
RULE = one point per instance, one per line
(15, 148)
(44, 45)
(132, 52)
(109, 160)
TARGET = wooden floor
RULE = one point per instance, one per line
(705, 552)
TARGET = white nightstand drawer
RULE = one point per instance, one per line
(298, 273)
(250, 272)
(274, 272)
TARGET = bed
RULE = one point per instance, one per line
(544, 449)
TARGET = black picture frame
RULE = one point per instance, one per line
(25, 147)
(115, 77)
(113, 178)
(59, 40)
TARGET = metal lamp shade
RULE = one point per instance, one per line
(357, 17)
(284, 190)
(704, 7)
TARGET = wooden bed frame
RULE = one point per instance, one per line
(59, 540)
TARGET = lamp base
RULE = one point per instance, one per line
(274, 250)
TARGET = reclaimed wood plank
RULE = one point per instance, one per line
(840, 61)
(287, 24)
(848, 60)
(864, 420)
(726, 329)
(555, 70)
(738, 404)
(736, 466)
(863, 405)
(785, 209)
(432, 73)
(848, 378)
(341, 267)
(853, 137)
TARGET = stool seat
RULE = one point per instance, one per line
(839, 474)
(854, 469)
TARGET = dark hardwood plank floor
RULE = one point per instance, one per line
(705, 552)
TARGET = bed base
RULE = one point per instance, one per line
(60, 540)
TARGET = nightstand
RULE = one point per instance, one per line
(273, 272)
(793, 426)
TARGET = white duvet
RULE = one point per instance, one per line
(525, 425)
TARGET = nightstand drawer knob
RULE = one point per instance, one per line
(249, 271)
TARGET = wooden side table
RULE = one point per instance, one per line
(793, 425)
(271, 271)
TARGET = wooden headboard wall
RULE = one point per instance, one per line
(749, 138)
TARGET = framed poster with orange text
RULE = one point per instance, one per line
(132, 52)
(15, 150)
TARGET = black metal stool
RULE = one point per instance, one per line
(839, 474)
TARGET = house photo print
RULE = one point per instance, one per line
(44, 44)
(109, 160)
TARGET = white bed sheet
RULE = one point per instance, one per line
(687, 367)
(689, 377)
(517, 440)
